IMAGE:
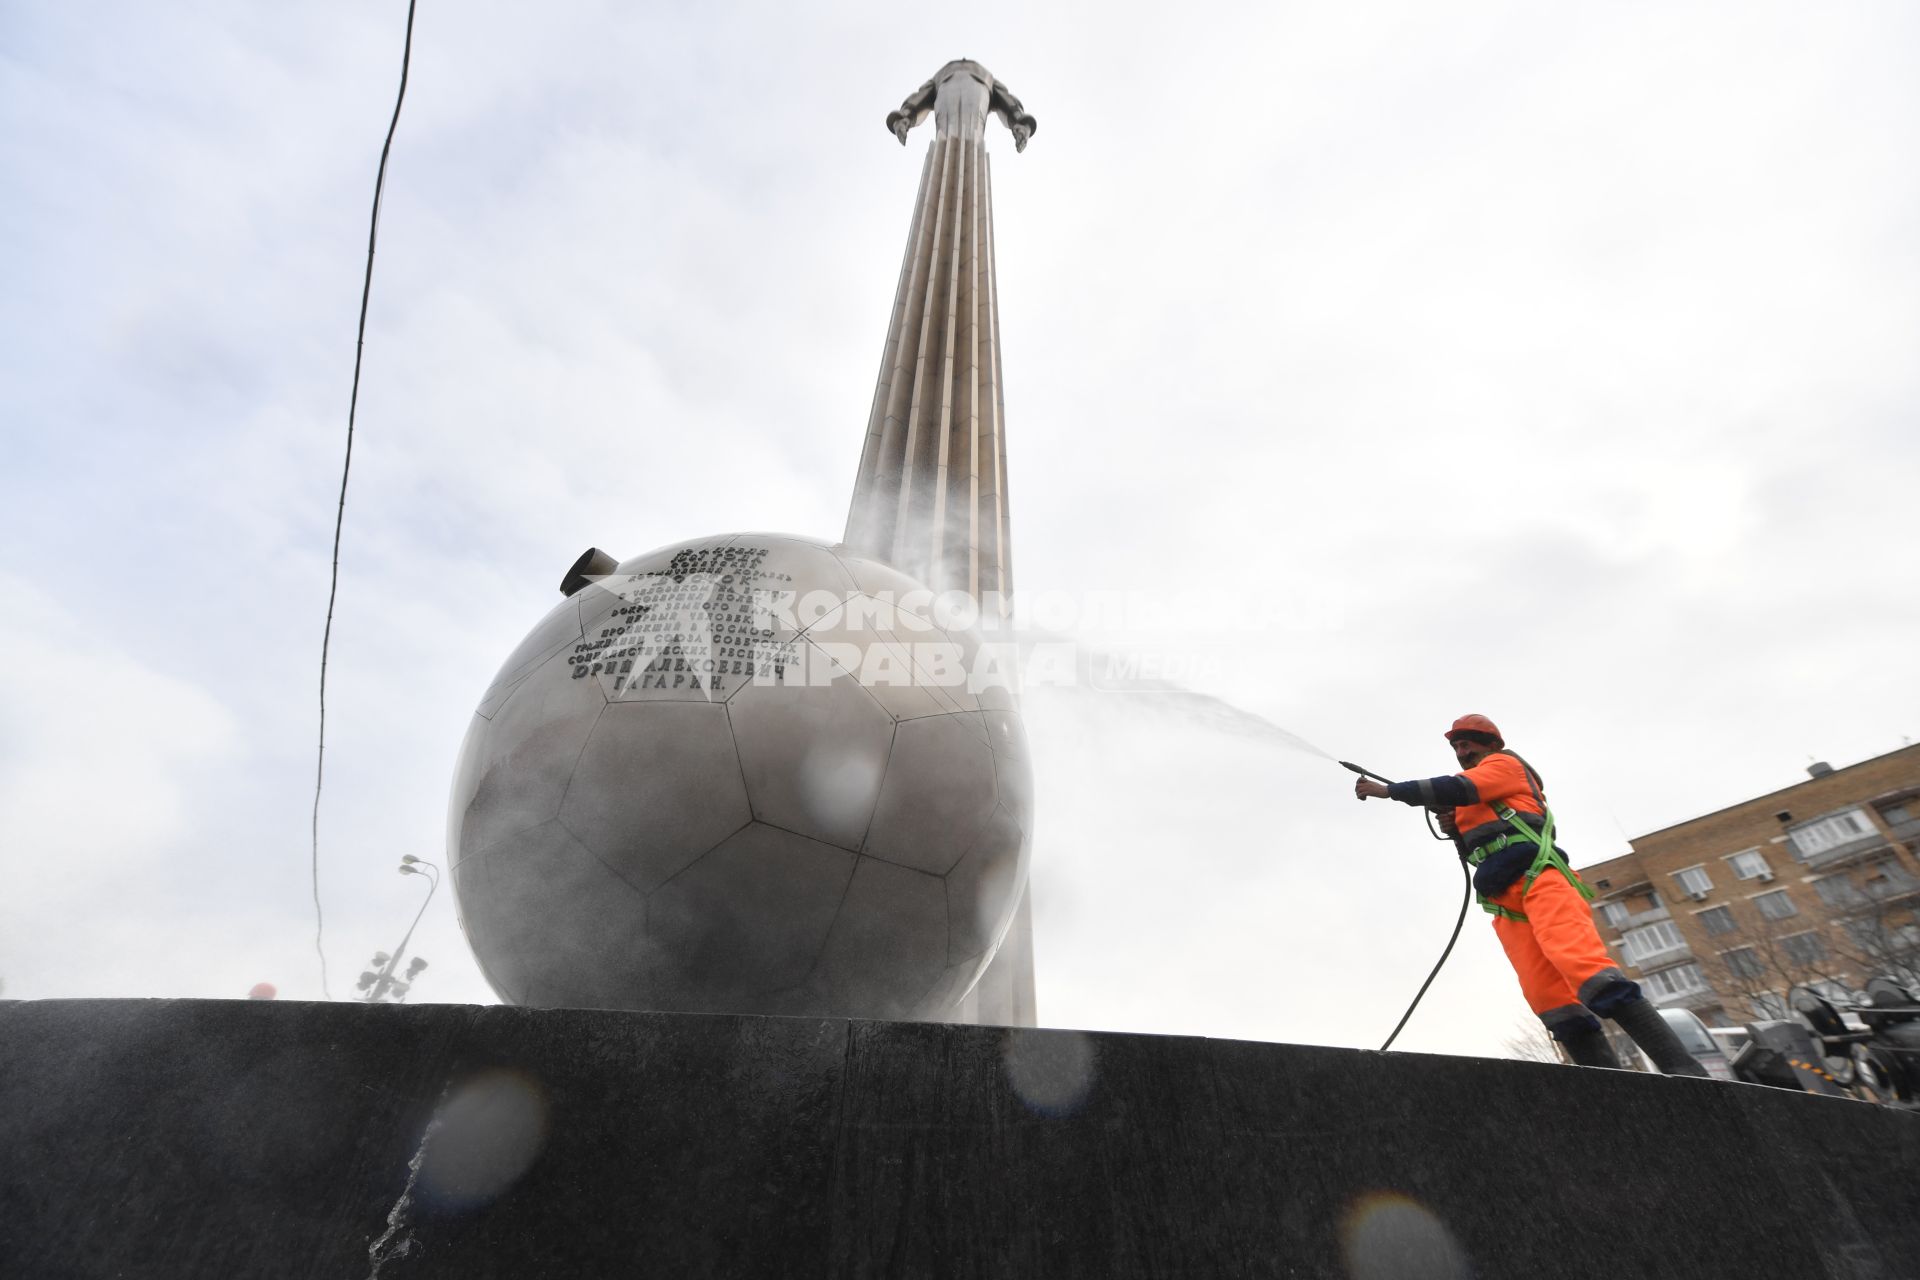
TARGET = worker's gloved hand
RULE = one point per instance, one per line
(1367, 788)
(1447, 824)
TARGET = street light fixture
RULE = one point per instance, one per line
(379, 982)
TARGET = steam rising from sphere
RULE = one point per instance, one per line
(745, 774)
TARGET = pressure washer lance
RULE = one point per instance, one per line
(1466, 897)
(1365, 773)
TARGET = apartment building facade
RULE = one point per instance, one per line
(1812, 885)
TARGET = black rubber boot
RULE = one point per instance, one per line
(1588, 1047)
(1639, 1019)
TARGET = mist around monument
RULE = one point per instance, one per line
(1266, 341)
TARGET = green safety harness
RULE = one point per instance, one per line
(1548, 856)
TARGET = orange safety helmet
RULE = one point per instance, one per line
(1475, 724)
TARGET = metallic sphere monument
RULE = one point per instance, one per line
(756, 773)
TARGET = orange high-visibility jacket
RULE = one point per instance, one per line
(1500, 779)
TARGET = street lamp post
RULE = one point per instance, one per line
(379, 984)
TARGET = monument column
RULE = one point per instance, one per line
(930, 497)
(931, 494)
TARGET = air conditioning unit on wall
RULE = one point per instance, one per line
(1698, 895)
(1764, 876)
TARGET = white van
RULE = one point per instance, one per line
(1730, 1039)
(1700, 1041)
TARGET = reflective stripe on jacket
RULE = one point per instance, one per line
(1500, 779)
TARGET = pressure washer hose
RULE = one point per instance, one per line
(1466, 896)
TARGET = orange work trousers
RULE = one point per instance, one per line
(1556, 948)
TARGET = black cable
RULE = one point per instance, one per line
(340, 513)
(1466, 896)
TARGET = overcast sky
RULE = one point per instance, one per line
(1551, 362)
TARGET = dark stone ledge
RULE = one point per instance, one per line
(229, 1138)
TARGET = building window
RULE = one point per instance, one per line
(1887, 879)
(1694, 881)
(1614, 913)
(1741, 962)
(1776, 905)
(1716, 919)
(1749, 863)
(1671, 984)
(1651, 940)
(1804, 948)
(1895, 814)
(1830, 833)
(1837, 891)
(1867, 935)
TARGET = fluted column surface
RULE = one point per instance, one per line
(930, 496)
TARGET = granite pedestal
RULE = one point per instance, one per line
(202, 1138)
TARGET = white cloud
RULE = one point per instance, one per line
(100, 756)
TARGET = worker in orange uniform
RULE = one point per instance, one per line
(1496, 810)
